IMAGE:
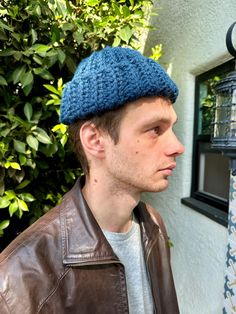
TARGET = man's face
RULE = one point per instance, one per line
(145, 155)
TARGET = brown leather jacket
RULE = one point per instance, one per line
(64, 264)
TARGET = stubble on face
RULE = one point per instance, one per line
(135, 162)
(127, 175)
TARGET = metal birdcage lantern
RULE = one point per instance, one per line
(224, 124)
(224, 139)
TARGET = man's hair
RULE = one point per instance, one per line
(108, 122)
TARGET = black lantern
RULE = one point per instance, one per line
(224, 125)
(224, 139)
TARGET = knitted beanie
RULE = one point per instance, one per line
(110, 78)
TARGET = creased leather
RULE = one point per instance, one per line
(63, 264)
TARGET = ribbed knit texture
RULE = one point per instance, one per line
(110, 78)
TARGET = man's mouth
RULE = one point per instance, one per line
(168, 170)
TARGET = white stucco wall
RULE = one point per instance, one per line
(193, 37)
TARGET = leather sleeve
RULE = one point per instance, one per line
(3, 305)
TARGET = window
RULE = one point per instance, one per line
(210, 169)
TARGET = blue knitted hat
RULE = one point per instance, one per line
(110, 78)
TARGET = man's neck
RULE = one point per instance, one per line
(111, 204)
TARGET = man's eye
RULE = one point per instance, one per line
(156, 130)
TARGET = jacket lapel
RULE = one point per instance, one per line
(83, 241)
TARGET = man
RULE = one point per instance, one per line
(102, 250)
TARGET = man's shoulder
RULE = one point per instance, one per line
(33, 257)
(31, 265)
(33, 234)
(43, 232)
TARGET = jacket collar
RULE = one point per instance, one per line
(83, 241)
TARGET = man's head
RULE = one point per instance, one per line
(102, 87)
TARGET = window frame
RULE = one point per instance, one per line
(208, 205)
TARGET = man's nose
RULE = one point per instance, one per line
(175, 147)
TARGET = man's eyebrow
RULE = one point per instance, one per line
(157, 120)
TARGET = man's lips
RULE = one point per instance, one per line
(168, 169)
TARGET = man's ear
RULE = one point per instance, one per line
(92, 140)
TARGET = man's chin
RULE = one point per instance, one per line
(155, 188)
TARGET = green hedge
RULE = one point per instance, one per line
(41, 43)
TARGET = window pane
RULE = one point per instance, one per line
(206, 103)
(210, 169)
(214, 175)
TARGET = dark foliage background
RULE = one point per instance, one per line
(41, 43)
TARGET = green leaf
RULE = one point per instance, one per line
(61, 56)
(22, 205)
(61, 7)
(60, 83)
(116, 9)
(18, 73)
(116, 42)
(27, 197)
(19, 146)
(4, 202)
(131, 2)
(28, 110)
(23, 184)
(3, 82)
(52, 89)
(39, 48)
(71, 64)
(17, 36)
(125, 34)
(32, 142)
(43, 73)
(15, 165)
(18, 121)
(5, 132)
(64, 139)
(7, 164)
(4, 224)
(42, 136)
(51, 59)
(3, 35)
(19, 175)
(50, 102)
(92, 2)
(68, 27)
(126, 11)
(60, 127)
(34, 35)
(78, 37)
(5, 26)
(55, 33)
(18, 55)
(10, 194)
(38, 10)
(13, 207)
(38, 59)
(27, 89)
(48, 150)
(27, 79)
(22, 159)
(7, 52)
(68, 7)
